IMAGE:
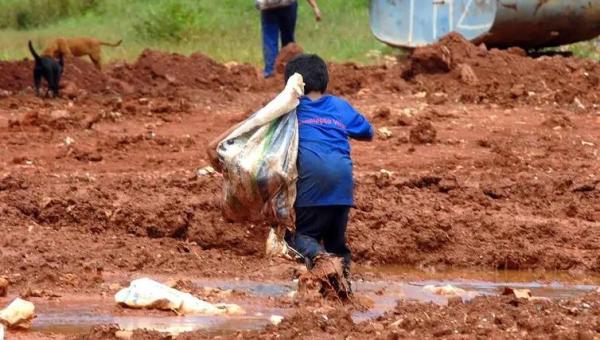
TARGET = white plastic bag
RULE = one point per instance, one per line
(147, 293)
(18, 313)
(259, 161)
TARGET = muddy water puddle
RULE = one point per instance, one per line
(71, 317)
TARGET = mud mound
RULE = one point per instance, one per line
(85, 75)
(349, 78)
(161, 70)
(474, 74)
(16, 75)
(285, 55)
(423, 133)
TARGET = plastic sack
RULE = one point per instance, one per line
(147, 293)
(18, 313)
(259, 161)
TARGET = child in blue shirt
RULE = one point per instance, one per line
(325, 181)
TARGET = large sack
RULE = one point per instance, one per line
(259, 161)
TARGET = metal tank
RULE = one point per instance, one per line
(499, 23)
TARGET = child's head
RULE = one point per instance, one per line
(313, 70)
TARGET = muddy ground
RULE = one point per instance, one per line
(492, 163)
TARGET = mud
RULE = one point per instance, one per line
(286, 54)
(493, 166)
(72, 315)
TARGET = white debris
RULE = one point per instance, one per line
(386, 173)
(447, 290)
(578, 103)
(231, 64)
(276, 319)
(147, 293)
(207, 170)
(69, 141)
(18, 313)
(587, 143)
(275, 245)
(385, 132)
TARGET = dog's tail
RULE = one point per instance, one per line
(111, 45)
(33, 52)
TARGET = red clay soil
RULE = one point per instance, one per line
(287, 53)
(496, 317)
(482, 317)
(105, 180)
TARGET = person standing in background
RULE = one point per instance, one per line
(279, 17)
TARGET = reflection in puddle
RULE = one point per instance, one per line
(68, 322)
(57, 318)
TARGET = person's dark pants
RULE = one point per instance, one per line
(326, 224)
(274, 21)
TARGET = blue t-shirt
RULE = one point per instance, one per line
(324, 164)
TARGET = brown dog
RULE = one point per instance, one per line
(77, 47)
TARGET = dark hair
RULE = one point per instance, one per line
(313, 70)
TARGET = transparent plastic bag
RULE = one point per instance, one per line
(259, 162)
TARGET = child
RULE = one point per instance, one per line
(325, 182)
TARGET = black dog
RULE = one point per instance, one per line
(49, 69)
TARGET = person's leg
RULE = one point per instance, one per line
(287, 23)
(309, 230)
(270, 37)
(334, 239)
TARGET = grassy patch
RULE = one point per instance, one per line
(586, 49)
(225, 29)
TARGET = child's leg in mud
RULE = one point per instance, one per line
(334, 238)
(309, 230)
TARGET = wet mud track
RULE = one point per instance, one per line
(81, 314)
(496, 172)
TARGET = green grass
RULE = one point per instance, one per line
(225, 30)
(585, 49)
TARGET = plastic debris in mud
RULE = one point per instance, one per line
(207, 170)
(18, 314)
(275, 245)
(449, 291)
(276, 319)
(385, 133)
(147, 293)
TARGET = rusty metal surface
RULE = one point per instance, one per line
(543, 23)
(497, 23)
